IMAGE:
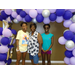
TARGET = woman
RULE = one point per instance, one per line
(35, 45)
(48, 39)
(22, 42)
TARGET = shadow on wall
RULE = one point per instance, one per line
(57, 29)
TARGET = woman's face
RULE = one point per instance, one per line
(46, 29)
(24, 27)
(33, 28)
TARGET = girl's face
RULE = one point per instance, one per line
(33, 28)
(46, 29)
(24, 27)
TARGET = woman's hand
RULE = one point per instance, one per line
(39, 54)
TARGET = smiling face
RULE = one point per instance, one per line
(33, 28)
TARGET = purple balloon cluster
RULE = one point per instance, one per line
(41, 15)
(5, 43)
(46, 16)
(68, 39)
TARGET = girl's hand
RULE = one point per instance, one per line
(45, 50)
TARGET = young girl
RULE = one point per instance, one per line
(48, 39)
(22, 42)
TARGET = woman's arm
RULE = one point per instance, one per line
(40, 42)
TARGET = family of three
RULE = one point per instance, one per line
(34, 43)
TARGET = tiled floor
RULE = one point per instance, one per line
(13, 63)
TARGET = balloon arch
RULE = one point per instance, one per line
(7, 35)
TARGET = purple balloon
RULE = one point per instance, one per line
(72, 27)
(52, 10)
(33, 13)
(2, 63)
(19, 18)
(72, 10)
(3, 49)
(67, 60)
(66, 9)
(59, 19)
(7, 32)
(8, 11)
(62, 40)
(73, 52)
(27, 10)
(39, 11)
(46, 20)
(67, 23)
(23, 20)
(69, 64)
(14, 14)
(72, 60)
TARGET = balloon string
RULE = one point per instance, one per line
(13, 36)
(10, 51)
(6, 24)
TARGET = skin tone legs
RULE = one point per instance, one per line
(48, 59)
(19, 57)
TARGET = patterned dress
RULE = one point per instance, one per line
(33, 46)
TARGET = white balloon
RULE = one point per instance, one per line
(73, 18)
(69, 44)
(65, 30)
(16, 21)
(34, 20)
(45, 13)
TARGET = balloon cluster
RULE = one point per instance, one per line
(68, 39)
(46, 16)
(36, 15)
(6, 45)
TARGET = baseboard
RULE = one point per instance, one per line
(29, 61)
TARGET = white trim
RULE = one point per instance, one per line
(29, 61)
